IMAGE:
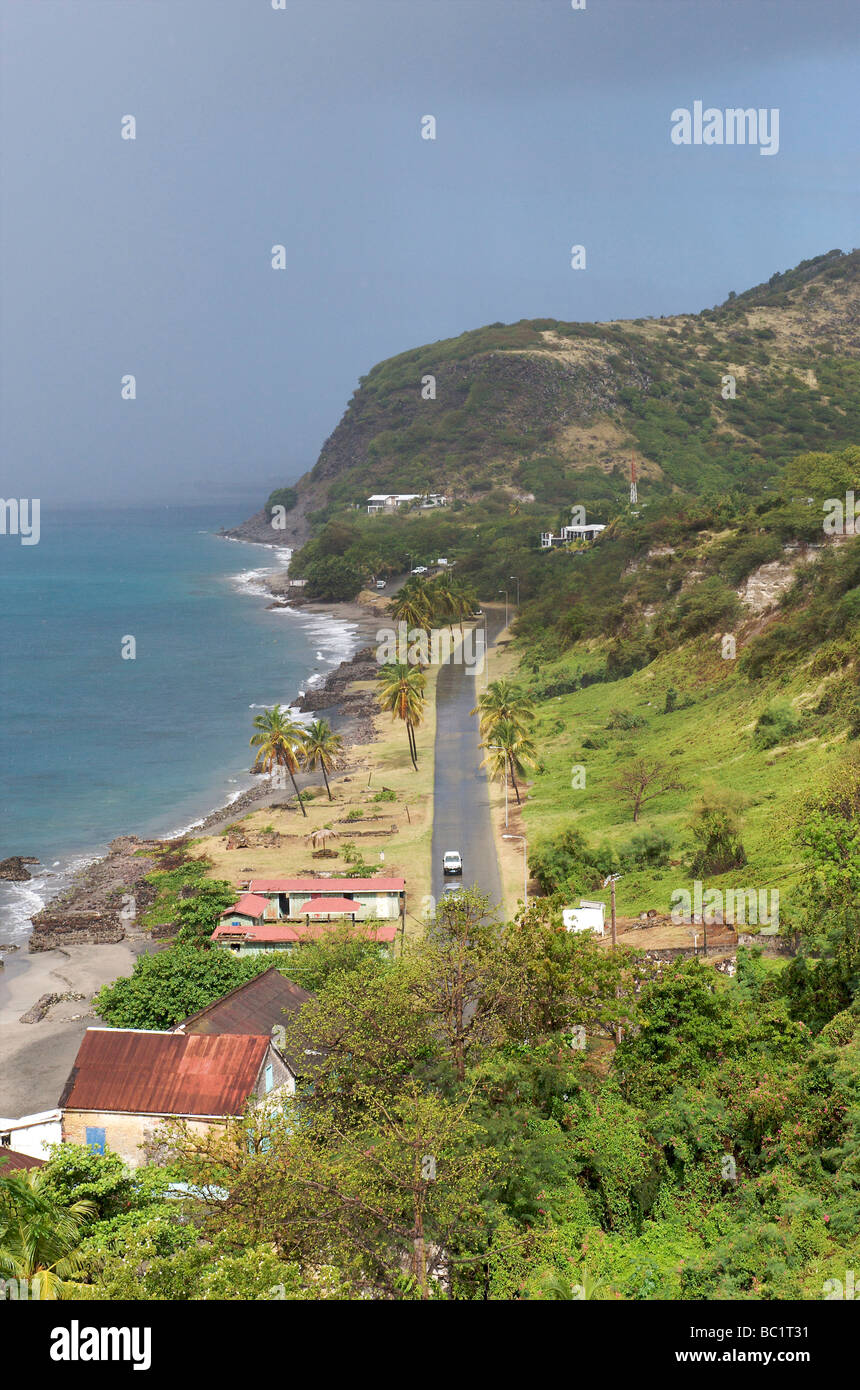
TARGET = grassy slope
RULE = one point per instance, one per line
(708, 743)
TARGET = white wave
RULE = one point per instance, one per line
(19, 902)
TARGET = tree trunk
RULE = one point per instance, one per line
(514, 780)
(413, 751)
(298, 793)
(325, 779)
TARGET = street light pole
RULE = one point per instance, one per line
(505, 592)
(486, 653)
(517, 582)
(525, 867)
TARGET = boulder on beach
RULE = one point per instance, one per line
(13, 869)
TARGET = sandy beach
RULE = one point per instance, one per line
(37, 1057)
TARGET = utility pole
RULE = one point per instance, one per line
(610, 883)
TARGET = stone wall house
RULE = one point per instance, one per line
(126, 1082)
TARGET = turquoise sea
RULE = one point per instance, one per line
(93, 745)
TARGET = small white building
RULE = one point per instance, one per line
(32, 1134)
(390, 501)
(589, 916)
(570, 533)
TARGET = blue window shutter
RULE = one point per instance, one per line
(270, 1076)
(96, 1140)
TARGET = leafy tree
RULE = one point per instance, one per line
(167, 986)
(457, 977)
(340, 951)
(199, 913)
(716, 823)
(285, 497)
(76, 1173)
(333, 577)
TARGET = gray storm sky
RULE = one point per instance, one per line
(302, 127)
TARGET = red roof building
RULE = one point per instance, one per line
(126, 1081)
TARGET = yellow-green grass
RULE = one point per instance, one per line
(372, 767)
(708, 744)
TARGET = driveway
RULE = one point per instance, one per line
(461, 812)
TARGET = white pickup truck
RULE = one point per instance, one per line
(452, 862)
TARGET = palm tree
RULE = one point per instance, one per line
(322, 749)
(402, 695)
(412, 607)
(503, 700)
(464, 600)
(512, 749)
(279, 741)
(39, 1236)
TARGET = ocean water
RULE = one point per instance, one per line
(93, 745)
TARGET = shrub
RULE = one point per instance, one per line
(386, 795)
(647, 849)
(285, 497)
(777, 724)
(623, 719)
(716, 829)
(708, 605)
(566, 862)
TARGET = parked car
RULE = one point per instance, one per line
(420, 569)
(452, 863)
(380, 583)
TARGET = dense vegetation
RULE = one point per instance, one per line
(516, 1112)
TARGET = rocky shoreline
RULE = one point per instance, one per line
(100, 904)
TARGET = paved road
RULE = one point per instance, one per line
(461, 817)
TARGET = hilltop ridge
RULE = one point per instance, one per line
(536, 406)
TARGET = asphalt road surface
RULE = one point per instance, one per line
(461, 813)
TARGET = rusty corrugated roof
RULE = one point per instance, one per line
(138, 1072)
(10, 1158)
(257, 1006)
